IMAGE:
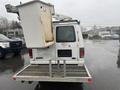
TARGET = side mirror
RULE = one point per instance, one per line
(78, 22)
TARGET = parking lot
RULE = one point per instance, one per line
(101, 58)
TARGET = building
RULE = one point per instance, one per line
(115, 30)
(98, 31)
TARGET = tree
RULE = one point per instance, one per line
(15, 24)
(3, 24)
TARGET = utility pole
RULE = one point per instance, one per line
(118, 61)
(119, 36)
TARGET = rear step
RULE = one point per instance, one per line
(54, 73)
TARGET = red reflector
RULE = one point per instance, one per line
(30, 53)
(14, 78)
(82, 52)
(90, 80)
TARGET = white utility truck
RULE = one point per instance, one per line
(56, 48)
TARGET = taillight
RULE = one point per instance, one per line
(82, 52)
(30, 53)
(14, 78)
(90, 80)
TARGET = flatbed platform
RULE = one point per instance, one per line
(54, 73)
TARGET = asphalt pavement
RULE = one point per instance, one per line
(103, 63)
(101, 57)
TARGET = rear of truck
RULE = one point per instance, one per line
(61, 62)
(56, 49)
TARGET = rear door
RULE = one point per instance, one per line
(66, 43)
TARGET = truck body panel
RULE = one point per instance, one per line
(36, 19)
(42, 55)
(67, 50)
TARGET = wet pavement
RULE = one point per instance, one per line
(102, 60)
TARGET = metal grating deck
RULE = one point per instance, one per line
(56, 71)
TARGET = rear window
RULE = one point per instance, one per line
(65, 34)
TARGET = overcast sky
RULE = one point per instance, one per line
(89, 12)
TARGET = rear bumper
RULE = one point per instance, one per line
(46, 61)
(79, 62)
(10, 50)
(55, 79)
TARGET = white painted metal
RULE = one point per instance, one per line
(42, 55)
(61, 17)
(83, 79)
(67, 45)
(51, 52)
(36, 20)
(74, 46)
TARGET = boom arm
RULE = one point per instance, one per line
(11, 9)
(60, 17)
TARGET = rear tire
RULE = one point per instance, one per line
(37, 87)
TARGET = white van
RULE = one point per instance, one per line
(61, 62)
(56, 48)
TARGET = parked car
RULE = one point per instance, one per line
(9, 46)
(19, 39)
(115, 36)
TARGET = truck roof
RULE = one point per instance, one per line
(62, 21)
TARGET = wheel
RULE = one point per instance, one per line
(2, 54)
(37, 87)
